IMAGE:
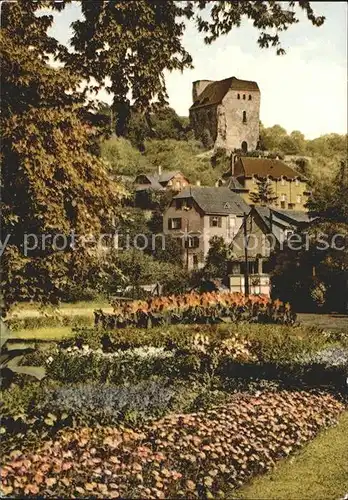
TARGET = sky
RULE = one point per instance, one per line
(305, 90)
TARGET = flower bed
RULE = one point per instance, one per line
(195, 455)
(184, 351)
(206, 308)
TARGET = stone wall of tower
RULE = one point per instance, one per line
(239, 120)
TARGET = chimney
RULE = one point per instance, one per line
(159, 171)
(198, 183)
(233, 160)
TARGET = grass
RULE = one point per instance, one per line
(319, 471)
(77, 308)
(49, 333)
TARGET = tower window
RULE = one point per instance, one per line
(244, 96)
(244, 117)
(249, 97)
(238, 96)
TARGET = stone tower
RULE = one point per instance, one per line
(226, 114)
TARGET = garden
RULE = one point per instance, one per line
(190, 396)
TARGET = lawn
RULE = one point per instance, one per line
(49, 333)
(319, 471)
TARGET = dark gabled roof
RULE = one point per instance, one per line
(263, 167)
(285, 218)
(153, 183)
(166, 176)
(216, 91)
(216, 200)
(156, 181)
(234, 184)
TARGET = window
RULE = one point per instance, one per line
(283, 201)
(249, 97)
(174, 223)
(192, 242)
(215, 221)
(244, 97)
(299, 199)
(178, 204)
(244, 117)
(244, 147)
(238, 96)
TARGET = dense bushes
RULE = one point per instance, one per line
(199, 454)
(206, 308)
(295, 355)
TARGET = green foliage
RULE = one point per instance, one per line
(52, 184)
(123, 158)
(329, 200)
(316, 276)
(264, 194)
(139, 268)
(217, 258)
(184, 156)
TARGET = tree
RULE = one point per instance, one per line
(272, 137)
(329, 200)
(217, 258)
(123, 158)
(315, 274)
(264, 195)
(134, 43)
(53, 187)
(293, 144)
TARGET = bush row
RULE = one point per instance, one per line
(186, 456)
(293, 355)
(276, 341)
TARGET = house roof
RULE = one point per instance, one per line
(216, 91)
(156, 181)
(167, 176)
(234, 184)
(283, 218)
(216, 200)
(264, 167)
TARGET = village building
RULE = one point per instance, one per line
(289, 187)
(265, 230)
(161, 181)
(168, 183)
(226, 113)
(197, 214)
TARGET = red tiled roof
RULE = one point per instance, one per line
(264, 167)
